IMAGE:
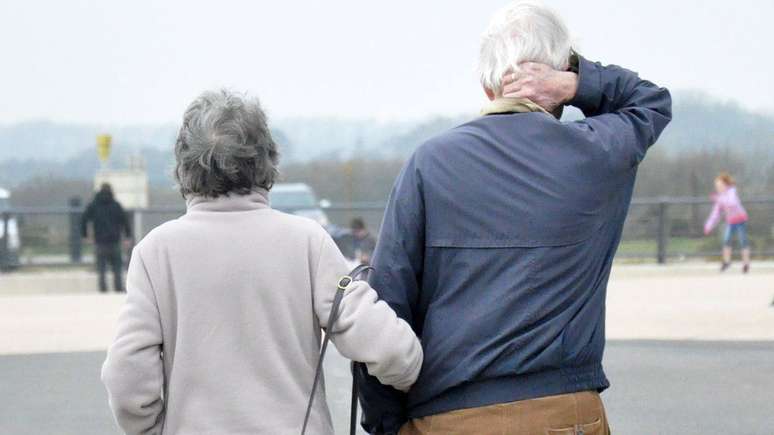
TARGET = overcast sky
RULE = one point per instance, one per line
(142, 61)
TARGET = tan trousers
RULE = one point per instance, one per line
(566, 414)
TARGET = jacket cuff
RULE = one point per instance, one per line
(589, 92)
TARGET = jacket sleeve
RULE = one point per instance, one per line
(398, 261)
(367, 329)
(133, 372)
(624, 114)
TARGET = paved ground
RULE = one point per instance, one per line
(706, 366)
(690, 303)
(659, 388)
(644, 302)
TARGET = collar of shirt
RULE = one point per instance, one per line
(511, 105)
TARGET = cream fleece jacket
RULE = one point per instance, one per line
(221, 327)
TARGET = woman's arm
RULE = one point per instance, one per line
(713, 218)
(367, 329)
(133, 371)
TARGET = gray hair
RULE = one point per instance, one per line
(224, 146)
(524, 31)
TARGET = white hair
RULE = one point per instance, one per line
(524, 31)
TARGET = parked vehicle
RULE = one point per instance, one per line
(299, 199)
(10, 243)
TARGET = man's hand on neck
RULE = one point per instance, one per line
(541, 84)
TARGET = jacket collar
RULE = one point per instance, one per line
(510, 105)
(255, 200)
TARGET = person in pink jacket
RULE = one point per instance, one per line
(728, 203)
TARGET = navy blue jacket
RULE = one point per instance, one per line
(496, 248)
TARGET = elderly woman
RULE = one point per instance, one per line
(221, 330)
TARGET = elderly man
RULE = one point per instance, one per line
(498, 239)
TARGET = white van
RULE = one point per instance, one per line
(299, 199)
(10, 258)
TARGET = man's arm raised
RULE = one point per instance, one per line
(624, 113)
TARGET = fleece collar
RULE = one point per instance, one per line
(255, 200)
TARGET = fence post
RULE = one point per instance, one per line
(137, 225)
(76, 245)
(135, 217)
(5, 245)
(662, 232)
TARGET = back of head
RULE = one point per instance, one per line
(524, 31)
(726, 178)
(224, 146)
(105, 193)
(357, 224)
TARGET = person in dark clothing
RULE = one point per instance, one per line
(109, 221)
(363, 241)
(499, 236)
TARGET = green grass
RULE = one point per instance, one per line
(675, 245)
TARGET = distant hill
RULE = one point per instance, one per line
(60, 142)
(35, 149)
(331, 138)
(701, 122)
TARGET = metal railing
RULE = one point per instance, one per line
(671, 228)
(661, 229)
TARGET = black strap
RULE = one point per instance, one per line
(353, 403)
(342, 286)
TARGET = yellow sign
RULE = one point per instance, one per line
(103, 147)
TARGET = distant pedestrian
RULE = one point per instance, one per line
(363, 241)
(109, 220)
(727, 201)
